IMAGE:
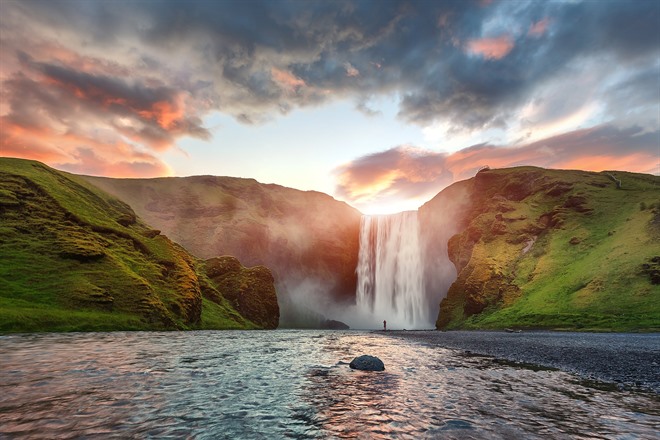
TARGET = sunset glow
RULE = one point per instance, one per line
(380, 110)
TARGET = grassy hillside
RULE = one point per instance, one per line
(308, 239)
(74, 258)
(555, 249)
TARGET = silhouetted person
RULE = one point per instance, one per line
(384, 325)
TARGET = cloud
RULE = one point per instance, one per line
(88, 161)
(491, 48)
(350, 70)
(539, 28)
(153, 70)
(393, 175)
(99, 153)
(406, 172)
(287, 80)
(95, 122)
(63, 122)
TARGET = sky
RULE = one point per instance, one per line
(378, 103)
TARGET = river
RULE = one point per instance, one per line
(295, 384)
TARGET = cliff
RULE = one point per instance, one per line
(74, 258)
(250, 291)
(558, 249)
(307, 239)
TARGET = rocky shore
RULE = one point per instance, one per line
(631, 360)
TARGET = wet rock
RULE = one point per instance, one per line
(332, 324)
(367, 363)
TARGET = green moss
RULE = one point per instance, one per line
(249, 290)
(21, 317)
(222, 317)
(585, 269)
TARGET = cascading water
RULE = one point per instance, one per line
(391, 272)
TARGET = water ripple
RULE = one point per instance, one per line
(293, 384)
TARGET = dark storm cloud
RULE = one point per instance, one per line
(421, 48)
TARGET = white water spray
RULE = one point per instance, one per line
(390, 272)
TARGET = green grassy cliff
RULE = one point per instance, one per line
(553, 249)
(74, 258)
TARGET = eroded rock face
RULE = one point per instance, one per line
(367, 363)
(250, 290)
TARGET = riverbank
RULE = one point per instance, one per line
(627, 359)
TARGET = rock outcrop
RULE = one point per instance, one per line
(249, 290)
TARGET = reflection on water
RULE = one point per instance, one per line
(292, 384)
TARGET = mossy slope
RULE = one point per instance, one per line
(74, 258)
(554, 249)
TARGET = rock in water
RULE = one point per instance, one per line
(367, 363)
(331, 324)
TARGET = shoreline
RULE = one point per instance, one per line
(629, 360)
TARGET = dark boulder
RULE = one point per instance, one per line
(331, 324)
(367, 363)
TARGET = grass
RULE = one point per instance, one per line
(584, 272)
(74, 258)
(15, 319)
(222, 316)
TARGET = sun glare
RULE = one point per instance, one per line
(391, 207)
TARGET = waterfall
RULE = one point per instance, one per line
(391, 272)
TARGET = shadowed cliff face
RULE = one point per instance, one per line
(550, 249)
(440, 219)
(307, 239)
(74, 258)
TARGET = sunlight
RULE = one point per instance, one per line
(389, 206)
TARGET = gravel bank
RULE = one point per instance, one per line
(630, 359)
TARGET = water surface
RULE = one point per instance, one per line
(293, 384)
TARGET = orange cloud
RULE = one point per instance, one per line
(76, 152)
(411, 173)
(165, 108)
(391, 176)
(88, 161)
(491, 48)
(286, 79)
(539, 28)
(82, 118)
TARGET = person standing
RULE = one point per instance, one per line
(384, 325)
